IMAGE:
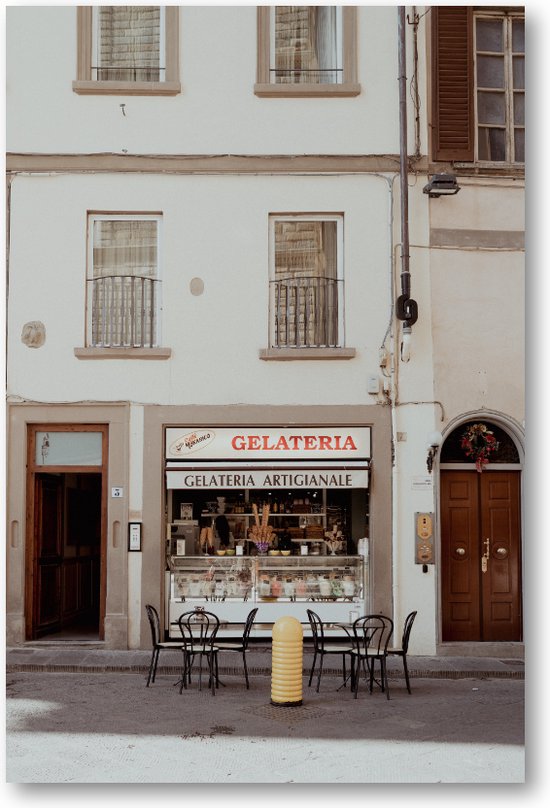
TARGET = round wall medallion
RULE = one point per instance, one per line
(33, 334)
(196, 286)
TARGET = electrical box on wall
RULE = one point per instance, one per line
(424, 538)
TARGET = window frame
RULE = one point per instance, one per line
(95, 216)
(86, 85)
(506, 18)
(305, 351)
(349, 86)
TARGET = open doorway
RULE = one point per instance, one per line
(67, 541)
(66, 533)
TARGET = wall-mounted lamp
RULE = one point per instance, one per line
(434, 441)
(441, 185)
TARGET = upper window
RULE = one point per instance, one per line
(306, 51)
(500, 88)
(306, 282)
(123, 281)
(131, 50)
(477, 57)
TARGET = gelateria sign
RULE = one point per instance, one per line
(288, 457)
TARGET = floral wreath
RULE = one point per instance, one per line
(478, 442)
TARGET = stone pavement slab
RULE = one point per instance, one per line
(110, 728)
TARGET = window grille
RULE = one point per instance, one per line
(124, 286)
(306, 283)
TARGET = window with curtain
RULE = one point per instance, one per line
(306, 45)
(306, 282)
(128, 43)
(500, 87)
(123, 284)
(127, 50)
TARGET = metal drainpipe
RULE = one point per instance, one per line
(406, 309)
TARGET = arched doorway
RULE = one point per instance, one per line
(480, 540)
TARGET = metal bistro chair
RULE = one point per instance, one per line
(241, 646)
(158, 646)
(198, 630)
(321, 647)
(402, 652)
(372, 634)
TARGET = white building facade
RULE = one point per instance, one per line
(204, 238)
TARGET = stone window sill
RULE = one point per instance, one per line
(306, 90)
(127, 87)
(123, 353)
(290, 354)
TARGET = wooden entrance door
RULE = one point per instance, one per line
(480, 556)
(48, 540)
(67, 553)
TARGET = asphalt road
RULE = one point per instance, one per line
(110, 728)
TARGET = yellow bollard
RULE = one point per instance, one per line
(287, 662)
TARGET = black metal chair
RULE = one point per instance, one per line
(321, 648)
(372, 634)
(158, 646)
(198, 631)
(402, 652)
(241, 646)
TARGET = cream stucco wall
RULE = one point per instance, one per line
(215, 228)
(477, 300)
(216, 112)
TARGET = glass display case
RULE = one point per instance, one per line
(333, 586)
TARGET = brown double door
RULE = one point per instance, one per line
(480, 556)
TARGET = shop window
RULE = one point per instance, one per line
(123, 283)
(307, 285)
(130, 50)
(307, 51)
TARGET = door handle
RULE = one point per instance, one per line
(485, 556)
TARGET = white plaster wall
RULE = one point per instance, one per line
(414, 589)
(478, 299)
(415, 416)
(481, 204)
(215, 228)
(481, 367)
(135, 514)
(217, 111)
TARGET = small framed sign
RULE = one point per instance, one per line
(186, 510)
(134, 536)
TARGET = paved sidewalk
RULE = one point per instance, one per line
(110, 728)
(90, 659)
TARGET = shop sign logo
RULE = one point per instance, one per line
(192, 442)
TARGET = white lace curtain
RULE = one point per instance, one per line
(128, 43)
(306, 45)
(123, 284)
(306, 284)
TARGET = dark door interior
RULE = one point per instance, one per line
(67, 544)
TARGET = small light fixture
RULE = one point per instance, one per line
(434, 441)
(441, 185)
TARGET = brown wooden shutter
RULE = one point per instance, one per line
(453, 83)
